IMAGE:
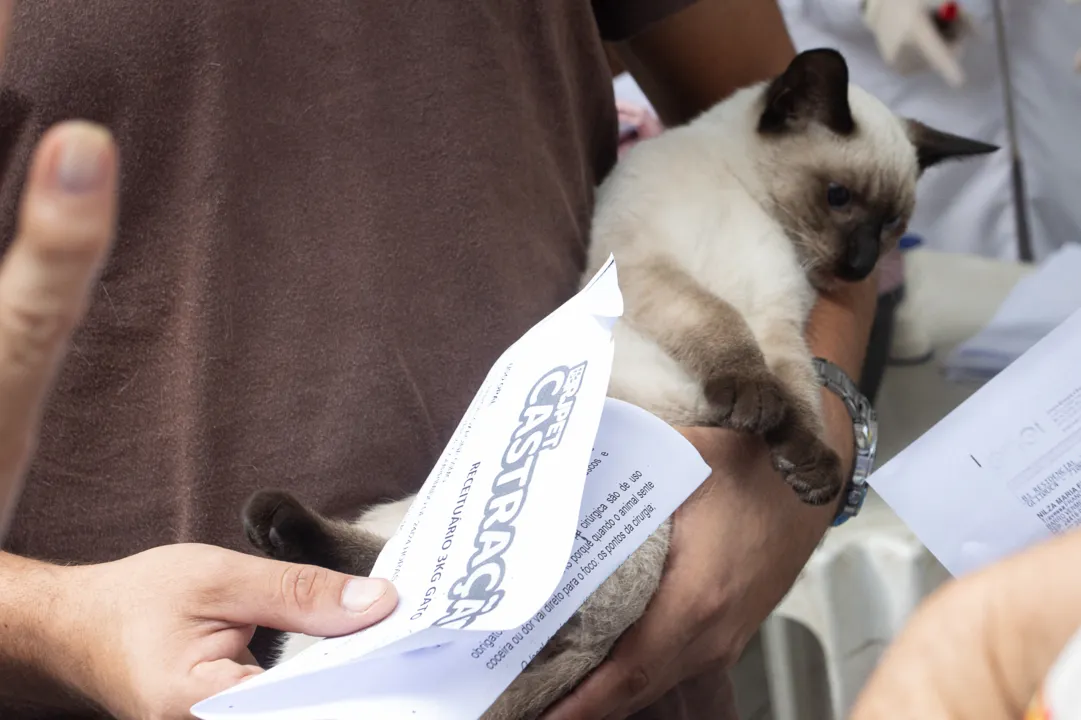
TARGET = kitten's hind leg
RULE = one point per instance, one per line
(710, 339)
(283, 528)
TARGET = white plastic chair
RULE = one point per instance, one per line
(854, 596)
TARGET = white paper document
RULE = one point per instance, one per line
(544, 489)
(1038, 304)
(1003, 470)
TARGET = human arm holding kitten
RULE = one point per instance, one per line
(742, 539)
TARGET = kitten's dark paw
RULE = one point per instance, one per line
(276, 523)
(808, 465)
(748, 403)
(820, 484)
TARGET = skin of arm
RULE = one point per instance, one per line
(979, 648)
(32, 615)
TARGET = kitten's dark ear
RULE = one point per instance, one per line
(814, 88)
(934, 146)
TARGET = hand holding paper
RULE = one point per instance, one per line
(197, 607)
(544, 490)
(994, 492)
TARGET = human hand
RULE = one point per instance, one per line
(66, 219)
(153, 634)
(150, 635)
(979, 648)
(737, 546)
(65, 227)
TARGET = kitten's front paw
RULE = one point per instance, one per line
(279, 525)
(807, 464)
(747, 403)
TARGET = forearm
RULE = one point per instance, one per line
(697, 57)
(1033, 604)
(839, 330)
(31, 612)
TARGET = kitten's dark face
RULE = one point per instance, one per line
(843, 220)
(841, 169)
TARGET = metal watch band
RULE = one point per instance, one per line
(865, 430)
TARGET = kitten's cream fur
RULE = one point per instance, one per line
(722, 235)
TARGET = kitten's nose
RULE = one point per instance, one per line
(861, 254)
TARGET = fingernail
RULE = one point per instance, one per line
(361, 593)
(81, 166)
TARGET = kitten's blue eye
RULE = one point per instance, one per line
(838, 196)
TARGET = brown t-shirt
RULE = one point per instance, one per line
(334, 216)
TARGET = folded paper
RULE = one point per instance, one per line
(1003, 470)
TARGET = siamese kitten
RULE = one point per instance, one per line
(723, 231)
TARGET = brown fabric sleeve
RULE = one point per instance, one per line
(620, 20)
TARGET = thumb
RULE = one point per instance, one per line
(65, 228)
(303, 598)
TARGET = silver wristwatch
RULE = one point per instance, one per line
(865, 429)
